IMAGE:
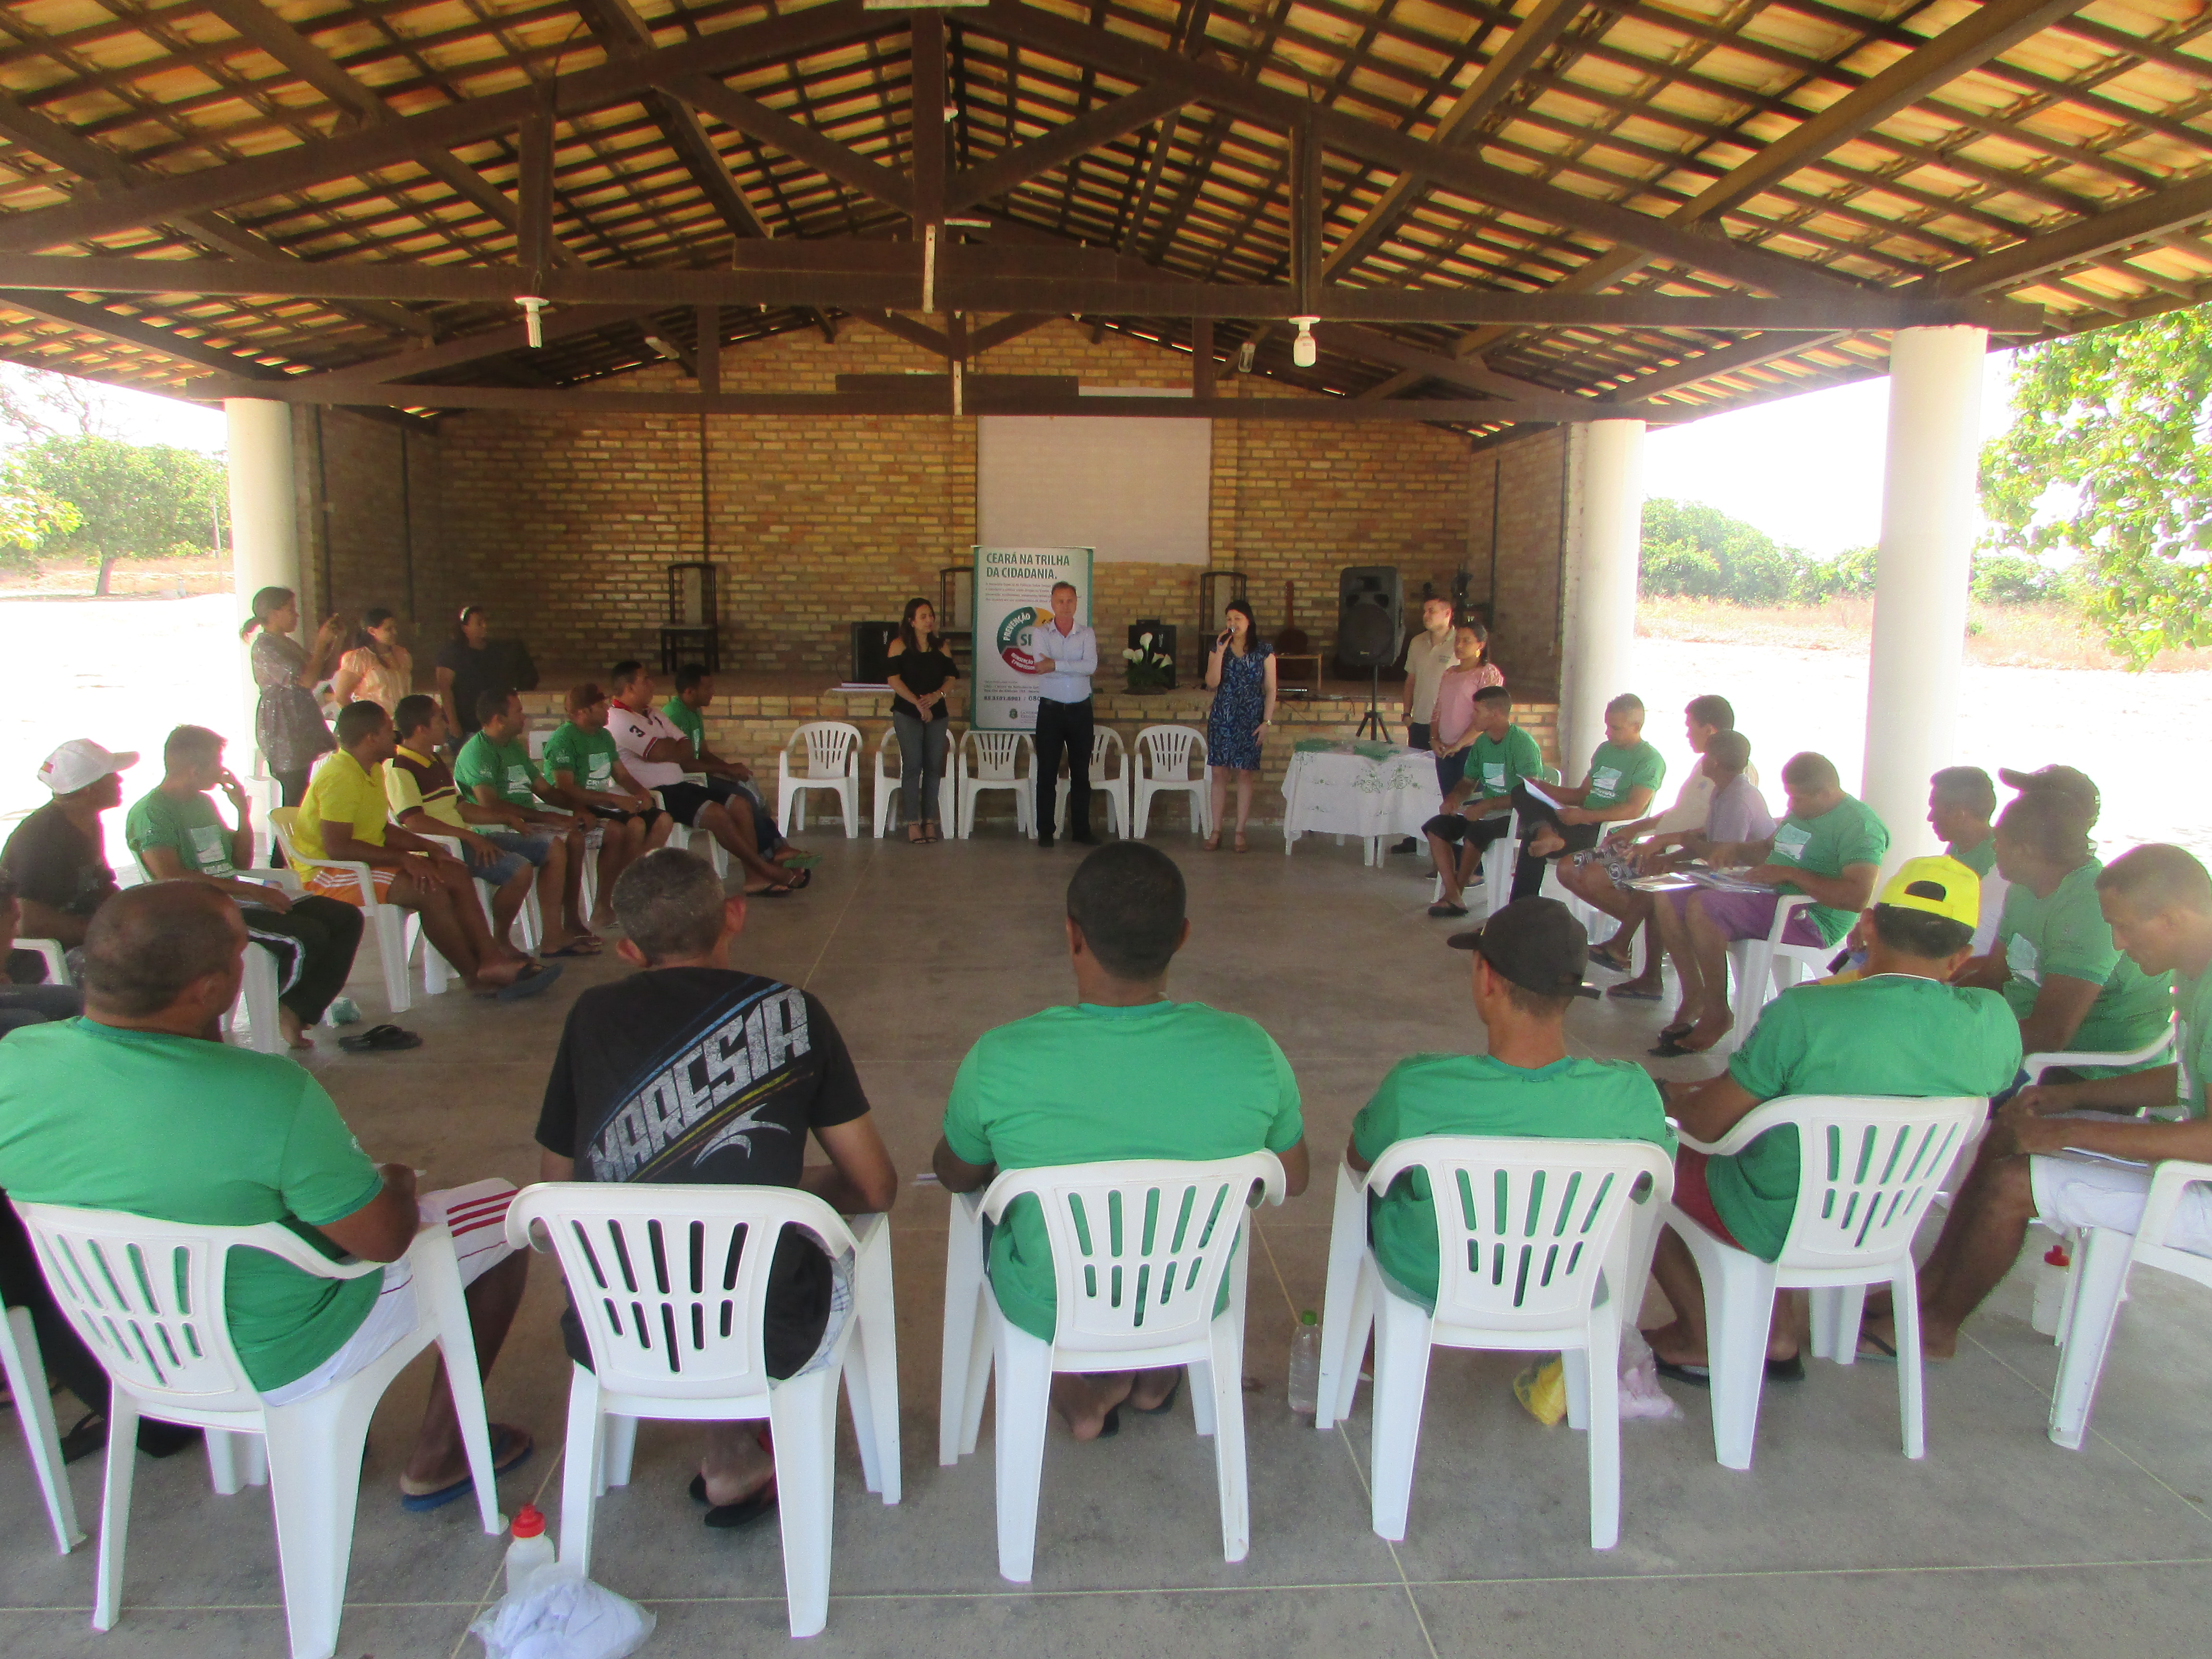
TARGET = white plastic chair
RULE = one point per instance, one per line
(681, 835)
(395, 928)
(964, 1365)
(1541, 1246)
(2103, 1258)
(529, 920)
(1869, 1167)
(886, 810)
(56, 959)
(833, 763)
(670, 1283)
(1767, 967)
(146, 1297)
(1163, 767)
(993, 760)
(1139, 1251)
(1105, 746)
(34, 1409)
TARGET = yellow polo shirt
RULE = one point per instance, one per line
(343, 792)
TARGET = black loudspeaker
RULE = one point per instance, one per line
(1370, 616)
(871, 645)
(1163, 642)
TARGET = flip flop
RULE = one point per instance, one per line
(1698, 1376)
(379, 1039)
(1447, 909)
(1605, 959)
(422, 1502)
(1166, 1405)
(1677, 1028)
(728, 1517)
(1883, 1353)
(527, 985)
(803, 861)
(575, 947)
(1628, 995)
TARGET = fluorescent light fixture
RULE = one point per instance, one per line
(532, 305)
(1304, 352)
(1247, 355)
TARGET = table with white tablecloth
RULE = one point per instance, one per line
(1369, 790)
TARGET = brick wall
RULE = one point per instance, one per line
(565, 523)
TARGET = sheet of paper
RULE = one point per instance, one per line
(1539, 792)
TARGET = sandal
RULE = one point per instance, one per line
(379, 1039)
(1241, 847)
(1214, 842)
(1166, 1405)
(915, 835)
(576, 947)
(527, 984)
(510, 1449)
(1440, 909)
(728, 1517)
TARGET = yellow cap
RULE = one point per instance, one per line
(1941, 885)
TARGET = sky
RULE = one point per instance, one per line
(1806, 470)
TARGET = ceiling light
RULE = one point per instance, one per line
(532, 305)
(1303, 351)
(1247, 355)
(664, 348)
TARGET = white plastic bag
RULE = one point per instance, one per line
(1640, 1393)
(558, 1613)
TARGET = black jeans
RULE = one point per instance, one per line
(314, 942)
(1063, 727)
(1528, 872)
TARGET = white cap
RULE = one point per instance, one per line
(80, 762)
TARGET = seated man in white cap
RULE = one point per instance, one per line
(58, 855)
(1902, 1030)
(2157, 901)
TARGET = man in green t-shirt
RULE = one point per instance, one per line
(2157, 902)
(1829, 847)
(725, 779)
(176, 835)
(1528, 969)
(140, 1107)
(1962, 806)
(1624, 773)
(2070, 987)
(1500, 758)
(494, 769)
(1124, 1073)
(1899, 1031)
(584, 771)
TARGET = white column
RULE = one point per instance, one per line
(264, 542)
(1922, 576)
(1599, 625)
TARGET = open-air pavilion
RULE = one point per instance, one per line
(521, 303)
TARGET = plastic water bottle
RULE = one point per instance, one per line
(531, 1550)
(1305, 1364)
(2050, 1290)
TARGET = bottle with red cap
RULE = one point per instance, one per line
(531, 1550)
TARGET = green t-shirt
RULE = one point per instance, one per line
(1571, 1099)
(506, 766)
(687, 719)
(2066, 935)
(1497, 766)
(186, 1130)
(1847, 833)
(1615, 773)
(589, 757)
(1089, 1085)
(1890, 1035)
(2192, 1000)
(188, 826)
(1981, 858)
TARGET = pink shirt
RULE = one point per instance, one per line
(1456, 701)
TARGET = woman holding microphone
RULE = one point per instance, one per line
(1240, 671)
(288, 725)
(921, 664)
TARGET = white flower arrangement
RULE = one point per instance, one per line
(1149, 670)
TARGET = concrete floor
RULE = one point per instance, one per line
(1998, 1543)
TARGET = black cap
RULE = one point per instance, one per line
(1536, 943)
(2061, 780)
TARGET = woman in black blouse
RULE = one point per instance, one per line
(921, 664)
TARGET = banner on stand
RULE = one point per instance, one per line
(1013, 596)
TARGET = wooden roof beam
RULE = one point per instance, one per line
(1100, 127)
(2140, 219)
(96, 319)
(801, 142)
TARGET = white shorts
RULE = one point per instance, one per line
(476, 1213)
(2080, 1191)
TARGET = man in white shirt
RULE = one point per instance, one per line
(1063, 716)
(654, 753)
(1427, 656)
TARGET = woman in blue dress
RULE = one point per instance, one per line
(1240, 671)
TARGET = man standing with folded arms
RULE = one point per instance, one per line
(1063, 716)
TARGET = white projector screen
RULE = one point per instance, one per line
(1135, 491)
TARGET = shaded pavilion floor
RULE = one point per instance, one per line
(1999, 1541)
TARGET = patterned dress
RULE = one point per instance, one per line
(1232, 725)
(287, 724)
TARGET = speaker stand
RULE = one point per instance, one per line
(1374, 715)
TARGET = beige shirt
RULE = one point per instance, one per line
(1425, 662)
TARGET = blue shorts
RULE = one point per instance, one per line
(520, 850)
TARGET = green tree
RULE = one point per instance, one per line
(1700, 552)
(131, 500)
(2119, 418)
